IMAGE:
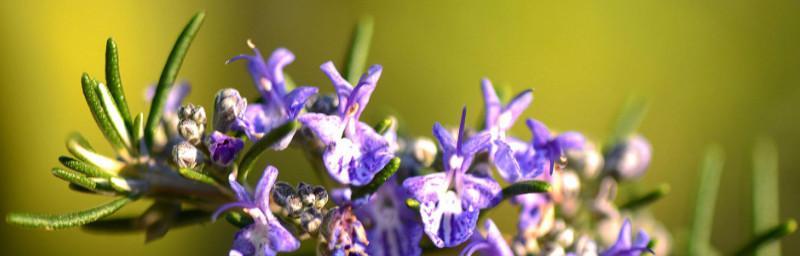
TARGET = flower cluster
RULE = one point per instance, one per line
(392, 193)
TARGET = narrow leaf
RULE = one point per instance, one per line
(169, 74)
(384, 125)
(646, 199)
(90, 92)
(84, 168)
(117, 121)
(381, 177)
(78, 149)
(769, 236)
(766, 212)
(525, 187)
(359, 49)
(275, 135)
(52, 222)
(238, 219)
(629, 118)
(115, 82)
(74, 177)
(197, 176)
(703, 220)
(137, 134)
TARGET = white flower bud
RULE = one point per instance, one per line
(186, 155)
(424, 150)
(228, 106)
(190, 131)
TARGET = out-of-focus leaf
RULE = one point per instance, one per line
(703, 220)
(359, 49)
(765, 192)
(628, 120)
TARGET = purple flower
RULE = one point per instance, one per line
(537, 213)
(492, 243)
(394, 229)
(449, 216)
(223, 148)
(354, 152)
(624, 246)
(279, 105)
(499, 119)
(266, 236)
(544, 151)
(344, 233)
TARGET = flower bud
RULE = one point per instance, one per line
(294, 205)
(424, 151)
(630, 159)
(190, 131)
(311, 220)
(228, 106)
(322, 197)
(281, 192)
(223, 148)
(306, 193)
(186, 155)
(195, 113)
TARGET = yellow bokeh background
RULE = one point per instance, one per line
(721, 72)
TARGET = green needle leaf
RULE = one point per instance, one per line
(380, 178)
(115, 82)
(52, 222)
(90, 92)
(769, 236)
(275, 135)
(77, 149)
(525, 187)
(74, 177)
(197, 176)
(629, 118)
(117, 121)
(765, 192)
(238, 219)
(169, 74)
(84, 168)
(137, 134)
(646, 199)
(703, 220)
(357, 55)
(384, 125)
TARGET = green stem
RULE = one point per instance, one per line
(380, 178)
(274, 136)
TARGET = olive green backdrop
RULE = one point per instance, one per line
(715, 71)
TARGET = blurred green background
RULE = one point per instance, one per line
(715, 71)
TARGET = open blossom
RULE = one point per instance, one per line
(624, 246)
(449, 215)
(394, 230)
(279, 105)
(343, 232)
(544, 151)
(499, 119)
(354, 152)
(266, 236)
(490, 244)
